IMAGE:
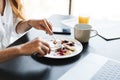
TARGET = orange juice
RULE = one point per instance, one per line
(84, 20)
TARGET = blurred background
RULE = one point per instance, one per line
(98, 9)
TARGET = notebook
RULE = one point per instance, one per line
(94, 67)
(107, 29)
(58, 27)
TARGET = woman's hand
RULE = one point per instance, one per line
(35, 46)
(41, 25)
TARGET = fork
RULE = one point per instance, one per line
(57, 41)
(54, 37)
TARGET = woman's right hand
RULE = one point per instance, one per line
(42, 24)
(35, 46)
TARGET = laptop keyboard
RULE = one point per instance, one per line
(110, 71)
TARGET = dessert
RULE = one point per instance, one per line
(63, 47)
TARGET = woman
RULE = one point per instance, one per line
(12, 22)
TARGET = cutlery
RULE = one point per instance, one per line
(58, 42)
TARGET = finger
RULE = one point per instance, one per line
(49, 24)
(41, 52)
(46, 44)
(42, 44)
(47, 28)
(44, 27)
(45, 49)
(41, 27)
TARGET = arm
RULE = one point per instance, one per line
(43, 24)
(35, 46)
(23, 26)
(9, 53)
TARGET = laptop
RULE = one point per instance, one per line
(94, 67)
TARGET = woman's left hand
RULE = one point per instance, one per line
(42, 24)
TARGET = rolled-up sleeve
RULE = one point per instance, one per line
(15, 35)
(15, 23)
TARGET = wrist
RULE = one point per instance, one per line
(15, 50)
(19, 50)
(29, 23)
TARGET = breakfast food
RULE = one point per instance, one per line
(63, 47)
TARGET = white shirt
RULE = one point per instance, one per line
(8, 24)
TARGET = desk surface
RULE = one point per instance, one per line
(28, 68)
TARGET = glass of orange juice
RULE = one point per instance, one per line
(82, 19)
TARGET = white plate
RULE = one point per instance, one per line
(78, 47)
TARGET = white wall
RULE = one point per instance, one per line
(105, 9)
(45, 8)
(108, 9)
